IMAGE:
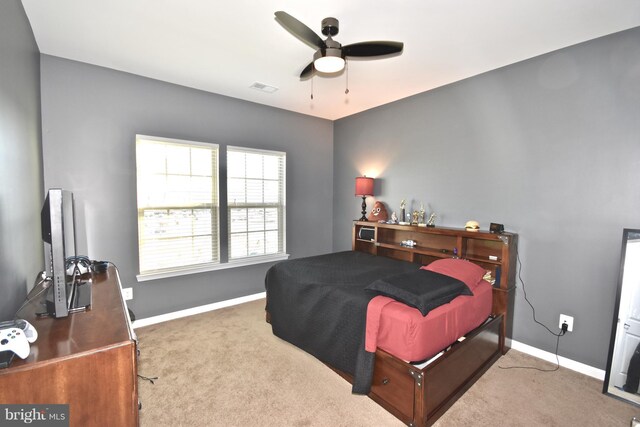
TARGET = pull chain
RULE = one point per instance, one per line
(311, 87)
(346, 64)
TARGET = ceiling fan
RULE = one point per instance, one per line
(330, 55)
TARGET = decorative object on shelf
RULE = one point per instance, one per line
(489, 277)
(414, 217)
(364, 188)
(406, 219)
(408, 243)
(496, 228)
(421, 222)
(472, 226)
(394, 218)
(378, 213)
(431, 222)
(402, 212)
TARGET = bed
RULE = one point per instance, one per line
(338, 307)
(404, 332)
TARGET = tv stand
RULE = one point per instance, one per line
(87, 360)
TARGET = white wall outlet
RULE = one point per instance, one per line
(568, 319)
(127, 294)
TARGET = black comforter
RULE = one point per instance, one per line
(319, 304)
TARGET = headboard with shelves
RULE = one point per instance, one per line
(494, 252)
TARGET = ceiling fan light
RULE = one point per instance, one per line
(331, 62)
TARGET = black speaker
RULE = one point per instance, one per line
(496, 228)
(367, 233)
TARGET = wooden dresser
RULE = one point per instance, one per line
(87, 360)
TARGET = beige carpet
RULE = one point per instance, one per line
(225, 368)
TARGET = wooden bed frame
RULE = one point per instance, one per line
(419, 396)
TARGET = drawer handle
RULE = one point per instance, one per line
(385, 381)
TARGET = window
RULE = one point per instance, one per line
(177, 204)
(255, 202)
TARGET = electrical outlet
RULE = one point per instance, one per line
(127, 294)
(568, 319)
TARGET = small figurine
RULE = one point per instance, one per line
(404, 220)
(414, 219)
(421, 215)
(394, 218)
(431, 222)
(378, 213)
(402, 206)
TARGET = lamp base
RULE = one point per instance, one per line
(364, 209)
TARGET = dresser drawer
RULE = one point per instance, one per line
(393, 386)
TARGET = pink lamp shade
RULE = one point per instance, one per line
(364, 186)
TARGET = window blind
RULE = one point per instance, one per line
(256, 202)
(178, 206)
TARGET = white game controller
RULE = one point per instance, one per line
(16, 335)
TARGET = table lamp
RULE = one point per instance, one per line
(364, 188)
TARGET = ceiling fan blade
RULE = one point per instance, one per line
(299, 30)
(372, 48)
(308, 71)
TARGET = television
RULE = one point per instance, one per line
(67, 292)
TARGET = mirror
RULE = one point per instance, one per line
(623, 365)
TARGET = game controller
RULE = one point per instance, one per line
(29, 331)
(15, 335)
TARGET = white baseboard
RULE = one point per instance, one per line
(516, 345)
(196, 310)
(564, 362)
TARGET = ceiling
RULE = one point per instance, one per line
(226, 46)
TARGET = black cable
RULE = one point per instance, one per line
(533, 310)
(540, 369)
(524, 291)
(44, 283)
(150, 379)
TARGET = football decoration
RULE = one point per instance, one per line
(472, 226)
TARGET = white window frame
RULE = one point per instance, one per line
(221, 264)
(281, 205)
(215, 206)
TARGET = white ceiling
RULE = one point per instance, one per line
(224, 47)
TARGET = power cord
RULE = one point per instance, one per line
(533, 310)
(150, 379)
(42, 283)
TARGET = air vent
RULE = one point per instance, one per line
(263, 87)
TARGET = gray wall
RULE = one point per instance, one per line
(550, 147)
(21, 254)
(90, 118)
